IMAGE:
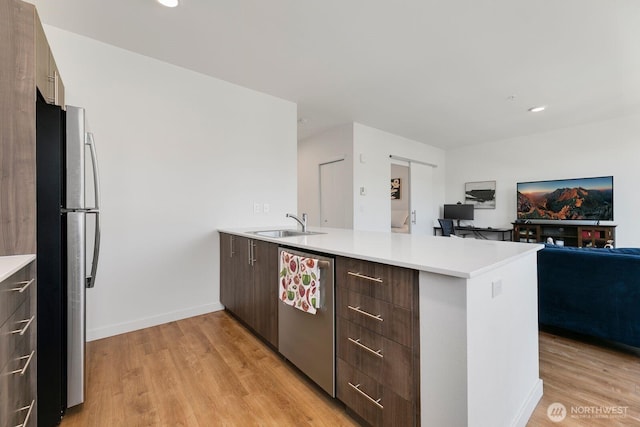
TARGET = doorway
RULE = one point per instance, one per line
(400, 195)
(415, 199)
(334, 196)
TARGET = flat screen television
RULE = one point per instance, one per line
(458, 212)
(587, 199)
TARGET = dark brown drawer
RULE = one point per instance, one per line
(381, 281)
(15, 333)
(16, 395)
(393, 322)
(15, 290)
(375, 403)
(377, 357)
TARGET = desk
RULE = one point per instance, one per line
(506, 234)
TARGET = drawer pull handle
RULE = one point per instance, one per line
(370, 350)
(25, 327)
(25, 284)
(371, 399)
(26, 419)
(26, 365)
(362, 276)
(373, 316)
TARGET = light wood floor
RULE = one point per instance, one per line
(588, 374)
(209, 371)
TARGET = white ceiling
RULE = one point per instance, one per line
(437, 71)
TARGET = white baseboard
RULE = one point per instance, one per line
(134, 325)
(529, 405)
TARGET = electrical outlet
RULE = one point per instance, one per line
(266, 208)
(257, 208)
(496, 288)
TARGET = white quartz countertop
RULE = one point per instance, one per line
(13, 263)
(457, 257)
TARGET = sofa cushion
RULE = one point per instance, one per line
(594, 291)
(624, 251)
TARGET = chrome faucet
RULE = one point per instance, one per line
(302, 222)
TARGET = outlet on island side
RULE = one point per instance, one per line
(496, 288)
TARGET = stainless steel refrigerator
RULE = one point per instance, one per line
(68, 243)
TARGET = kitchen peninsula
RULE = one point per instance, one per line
(477, 311)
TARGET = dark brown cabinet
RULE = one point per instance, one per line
(227, 260)
(527, 233)
(18, 348)
(596, 236)
(249, 283)
(265, 299)
(378, 342)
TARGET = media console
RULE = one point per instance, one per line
(596, 236)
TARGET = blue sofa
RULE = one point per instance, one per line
(592, 291)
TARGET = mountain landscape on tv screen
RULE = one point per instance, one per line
(575, 203)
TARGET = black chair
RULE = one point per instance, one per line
(447, 227)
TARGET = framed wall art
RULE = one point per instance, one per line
(481, 194)
(395, 188)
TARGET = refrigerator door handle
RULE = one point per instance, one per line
(91, 279)
(94, 162)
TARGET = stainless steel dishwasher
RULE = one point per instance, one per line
(308, 340)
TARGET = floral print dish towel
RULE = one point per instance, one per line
(299, 282)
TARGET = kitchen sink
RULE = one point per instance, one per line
(284, 233)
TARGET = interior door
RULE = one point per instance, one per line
(334, 198)
(421, 200)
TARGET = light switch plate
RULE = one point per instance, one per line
(257, 208)
(496, 288)
(266, 208)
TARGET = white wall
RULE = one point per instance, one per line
(605, 148)
(371, 150)
(330, 146)
(181, 154)
(479, 352)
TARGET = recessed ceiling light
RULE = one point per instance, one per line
(168, 3)
(537, 109)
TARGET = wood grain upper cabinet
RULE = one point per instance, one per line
(377, 342)
(249, 283)
(17, 129)
(21, 41)
(48, 79)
